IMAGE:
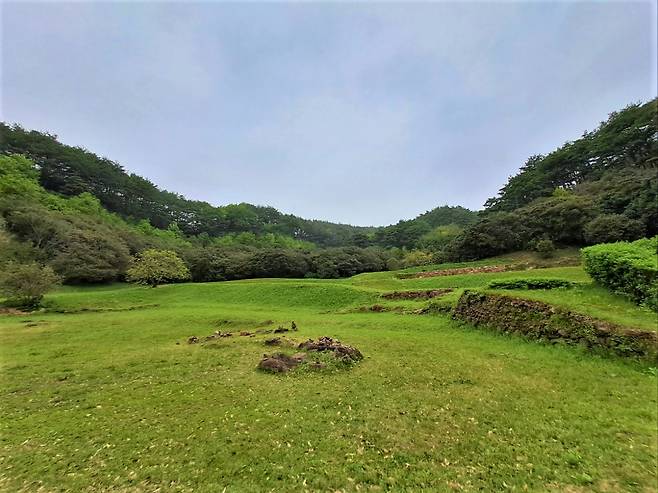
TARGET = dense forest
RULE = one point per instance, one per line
(87, 218)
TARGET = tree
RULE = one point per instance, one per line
(608, 228)
(25, 284)
(415, 258)
(545, 248)
(92, 254)
(439, 237)
(496, 233)
(153, 267)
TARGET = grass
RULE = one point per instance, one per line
(107, 401)
(586, 298)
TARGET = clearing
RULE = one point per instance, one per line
(107, 395)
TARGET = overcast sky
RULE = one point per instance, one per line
(352, 112)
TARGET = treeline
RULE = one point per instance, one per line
(84, 243)
(600, 188)
(87, 217)
(70, 171)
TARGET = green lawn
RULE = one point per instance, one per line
(585, 298)
(101, 398)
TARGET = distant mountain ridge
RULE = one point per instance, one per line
(69, 171)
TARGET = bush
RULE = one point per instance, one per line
(155, 267)
(530, 283)
(416, 258)
(608, 228)
(92, 255)
(545, 248)
(627, 268)
(494, 234)
(25, 284)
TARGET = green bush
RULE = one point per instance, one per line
(608, 228)
(531, 283)
(545, 248)
(154, 267)
(627, 268)
(25, 284)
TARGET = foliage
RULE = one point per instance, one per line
(154, 267)
(24, 285)
(627, 138)
(85, 215)
(545, 248)
(494, 234)
(531, 283)
(415, 258)
(627, 268)
(431, 230)
(437, 239)
(560, 218)
(90, 255)
(559, 197)
(71, 171)
(609, 228)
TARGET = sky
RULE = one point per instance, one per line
(362, 113)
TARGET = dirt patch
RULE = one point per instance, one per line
(374, 308)
(463, 270)
(12, 311)
(280, 362)
(416, 295)
(280, 342)
(341, 351)
(538, 320)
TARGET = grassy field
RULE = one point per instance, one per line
(100, 397)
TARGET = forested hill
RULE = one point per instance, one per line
(599, 188)
(69, 171)
(626, 139)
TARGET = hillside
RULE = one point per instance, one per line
(69, 171)
(87, 216)
(599, 188)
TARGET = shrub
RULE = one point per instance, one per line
(627, 268)
(608, 228)
(25, 284)
(155, 267)
(545, 248)
(416, 258)
(494, 234)
(92, 255)
(530, 283)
